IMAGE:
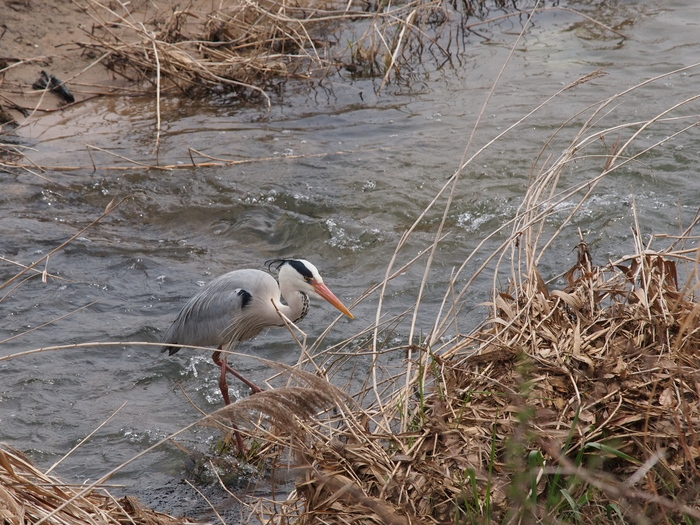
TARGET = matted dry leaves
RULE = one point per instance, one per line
(592, 389)
(241, 45)
(28, 496)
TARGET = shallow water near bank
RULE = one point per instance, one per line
(345, 172)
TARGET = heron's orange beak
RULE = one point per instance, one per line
(322, 290)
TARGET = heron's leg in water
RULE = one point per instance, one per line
(224, 367)
(239, 440)
(223, 386)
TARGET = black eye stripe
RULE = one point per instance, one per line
(299, 266)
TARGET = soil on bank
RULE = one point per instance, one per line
(58, 38)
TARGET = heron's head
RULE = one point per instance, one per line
(301, 275)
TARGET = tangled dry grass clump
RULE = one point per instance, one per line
(27, 495)
(579, 404)
(590, 393)
(248, 45)
(234, 46)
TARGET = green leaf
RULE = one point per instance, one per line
(607, 449)
(572, 503)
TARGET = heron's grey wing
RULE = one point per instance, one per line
(205, 317)
(257, 311)
(218, 314)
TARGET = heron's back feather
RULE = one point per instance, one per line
(233, 307)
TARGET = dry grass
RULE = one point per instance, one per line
(574, 404)
(248, 46)
(28, 496)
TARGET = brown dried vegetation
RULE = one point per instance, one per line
(28, 496)
(236, 46)
(592, 390)
(246, 45)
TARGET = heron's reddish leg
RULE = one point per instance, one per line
(223, 386)
(224, 366)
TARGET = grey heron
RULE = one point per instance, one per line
(238, 305)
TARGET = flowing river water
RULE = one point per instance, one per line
(345, 171)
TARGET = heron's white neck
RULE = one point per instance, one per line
(297, 303)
